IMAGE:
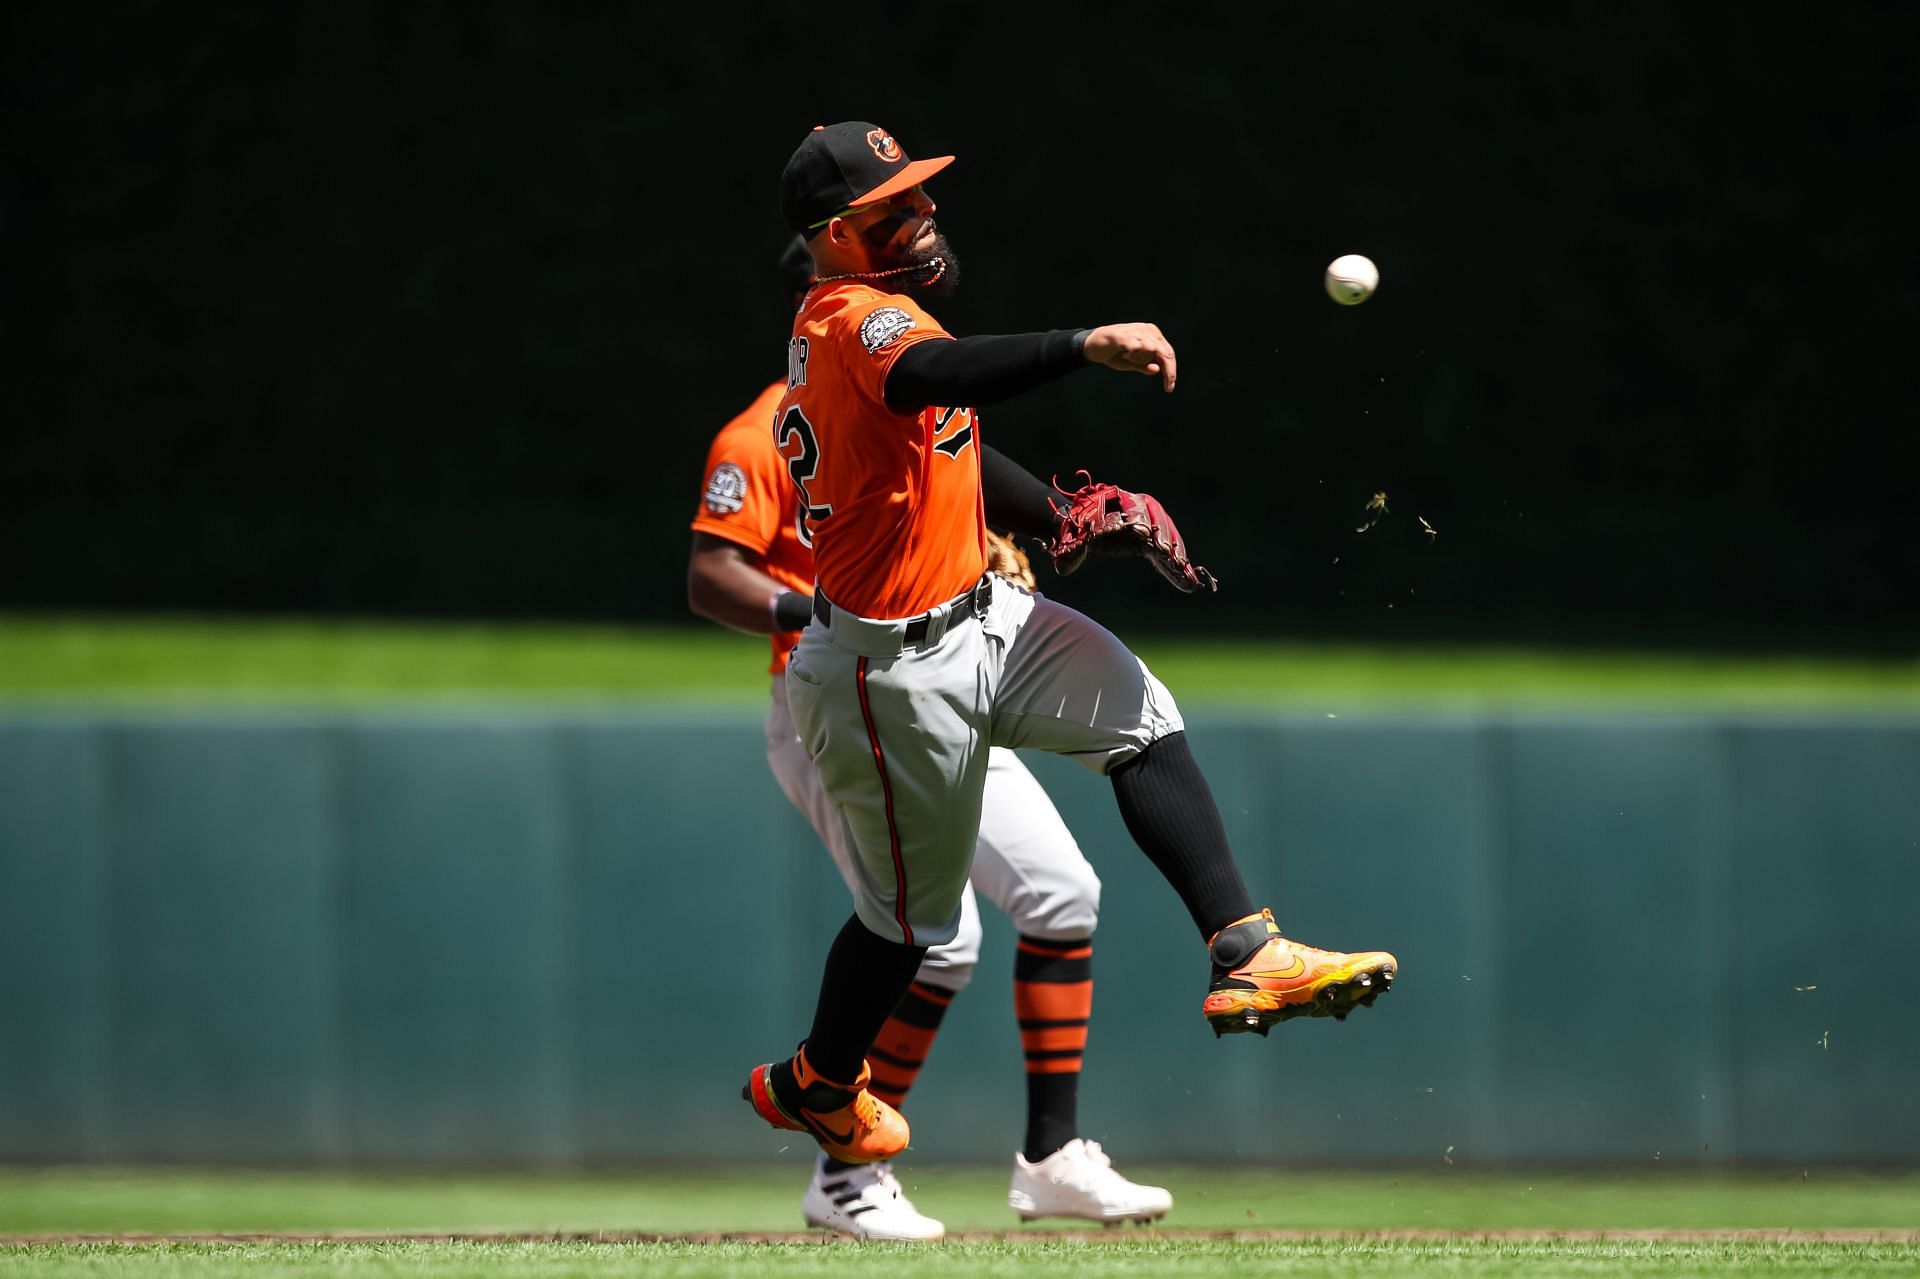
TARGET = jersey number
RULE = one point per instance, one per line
(801, 467)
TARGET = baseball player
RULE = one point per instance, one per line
(747, 564)
(918, 661)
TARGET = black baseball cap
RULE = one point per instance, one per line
(841, 166)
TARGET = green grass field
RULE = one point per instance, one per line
(1138, 1258)
(157, 660)
(759, 1198)
(1420, 1222)
(1225, 1221)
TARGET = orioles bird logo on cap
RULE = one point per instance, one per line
(884, 146)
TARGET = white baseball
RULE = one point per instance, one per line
(1352, 279)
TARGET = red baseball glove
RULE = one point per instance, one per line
(1102, 519)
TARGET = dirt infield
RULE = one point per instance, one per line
(822, 1238)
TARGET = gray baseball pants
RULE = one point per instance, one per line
(903, 737)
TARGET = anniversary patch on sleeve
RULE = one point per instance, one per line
(726, 489)
(883, 327)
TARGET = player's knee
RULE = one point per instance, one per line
(1065, 907)
(950, 964)
(950, 977)
(1159, 714)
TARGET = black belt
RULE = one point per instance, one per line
(979, 597)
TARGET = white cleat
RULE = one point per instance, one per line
(865, 1201)
(1078, 1180)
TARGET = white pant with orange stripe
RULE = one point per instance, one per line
(1025, 859)
(905, 741)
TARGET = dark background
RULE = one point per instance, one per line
(433, 309)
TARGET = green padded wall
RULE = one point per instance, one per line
(548, 936)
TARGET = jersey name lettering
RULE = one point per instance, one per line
(796, 362)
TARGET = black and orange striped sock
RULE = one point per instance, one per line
(1053, 997)
(901, 1047)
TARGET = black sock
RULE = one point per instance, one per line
(1169, 811)
(864, 979)
(1053, 1114)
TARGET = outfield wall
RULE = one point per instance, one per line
(513, 935)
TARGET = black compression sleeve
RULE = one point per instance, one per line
(1016, 499)
(981, 370)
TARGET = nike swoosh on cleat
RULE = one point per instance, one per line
(1299, 966)
(821, 1130)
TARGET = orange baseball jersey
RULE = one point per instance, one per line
(890, 500)
(750, 501)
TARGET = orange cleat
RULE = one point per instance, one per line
(850, 1123)
(1260, 978)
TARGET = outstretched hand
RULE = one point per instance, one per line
(1133, 348)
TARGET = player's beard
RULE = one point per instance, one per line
(942, 275)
